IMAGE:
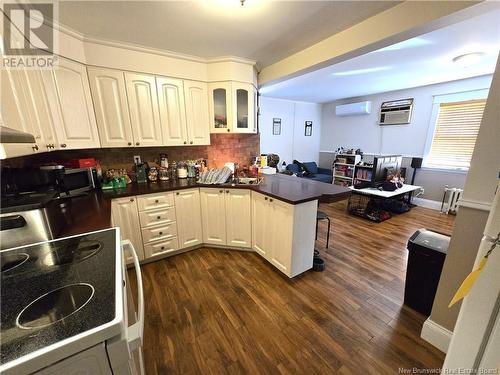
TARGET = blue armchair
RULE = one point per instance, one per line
(317, 174)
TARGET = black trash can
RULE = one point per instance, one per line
(427, 252)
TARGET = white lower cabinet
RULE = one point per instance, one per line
(238, 218)
(162, 223)
(188, 213)
(284, 233)
(226, 217)
(213, 212)
(124, 215)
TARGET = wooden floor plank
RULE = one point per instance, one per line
(214, 311)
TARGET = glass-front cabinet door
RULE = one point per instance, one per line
(220, 107)
(232, 107)
(244, 114)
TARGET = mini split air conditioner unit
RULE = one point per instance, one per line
(353, 109)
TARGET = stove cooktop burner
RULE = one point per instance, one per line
(73, 253)
(55, 306)
(11, 261)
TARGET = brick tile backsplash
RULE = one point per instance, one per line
(239, 148)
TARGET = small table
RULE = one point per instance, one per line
(363, 200)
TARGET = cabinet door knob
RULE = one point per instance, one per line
(158, 217)
(191, 142)
(35, 148)
(162, 248)
(130, 143)
(270, 200)
(221, 191)
(160, 233)
(265, 198)
(157, 201)
(228, 130)
(137, 143)
(63, 145)
(185, 142)
(177, 193)
(227, 191)
(131, 199)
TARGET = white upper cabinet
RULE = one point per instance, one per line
(172, 111)
(196, 99)
(143, 106)
(71, 104)
(232, 107)
(243, 108)
(111, 107)
(220, 107)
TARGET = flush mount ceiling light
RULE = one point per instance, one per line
(242, 2)
(468, 59)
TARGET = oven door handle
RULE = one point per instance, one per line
(135, 333)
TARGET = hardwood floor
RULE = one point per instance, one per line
(214, 311)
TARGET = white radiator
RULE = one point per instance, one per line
(450, 200)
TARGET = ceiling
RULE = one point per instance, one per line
(261, 30)
(420, 61)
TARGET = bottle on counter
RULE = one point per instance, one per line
(163, 161)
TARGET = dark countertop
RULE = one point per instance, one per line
(93, 212)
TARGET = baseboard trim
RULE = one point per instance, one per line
(436, 335)
(427, 203)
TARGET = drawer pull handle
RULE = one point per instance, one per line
(63, 145)
(158, 217)
(191, 142)
(137, 143)
(160, 233)
(227, 191)
(177, 193)
(185, 142)
(270, 200)
(157, 201)
(162, 248)
(131, 199)
(130, 143)
(265, 198)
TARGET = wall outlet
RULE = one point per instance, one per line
(137, 159)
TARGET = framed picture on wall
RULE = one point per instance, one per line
(309, 128)
(276, 126)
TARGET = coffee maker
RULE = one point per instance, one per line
(54, 175)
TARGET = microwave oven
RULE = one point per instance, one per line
(78, 180)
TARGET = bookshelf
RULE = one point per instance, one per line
(344, 169)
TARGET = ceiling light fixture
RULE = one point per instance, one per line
(468, 59)
(242, 2)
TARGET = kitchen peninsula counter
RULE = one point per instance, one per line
(93, 211)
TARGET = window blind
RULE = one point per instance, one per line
(457, 126)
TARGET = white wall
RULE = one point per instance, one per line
(408, 140)
(291, 143)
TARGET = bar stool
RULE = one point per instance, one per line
(320, 215)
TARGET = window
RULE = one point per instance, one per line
(455, 132)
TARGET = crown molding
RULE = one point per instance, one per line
(138, 48)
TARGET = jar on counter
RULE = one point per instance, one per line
(191, 169)
(182, 171)
(163, 174)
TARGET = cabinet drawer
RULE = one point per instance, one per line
(161, 247)
(157, 217)
(153, 201)
(162, 232)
